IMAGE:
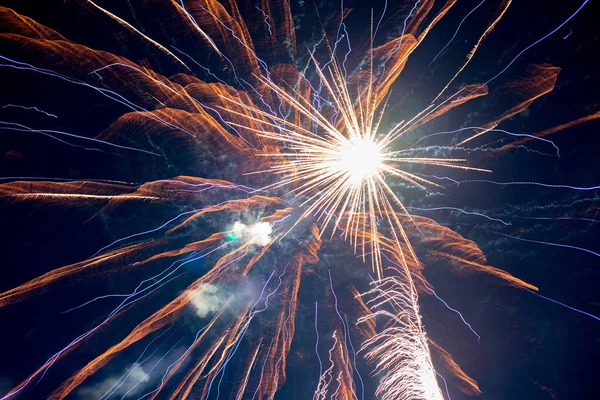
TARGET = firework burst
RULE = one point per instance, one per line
(339, 170)
(296, 159)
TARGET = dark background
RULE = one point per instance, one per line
(530, 348)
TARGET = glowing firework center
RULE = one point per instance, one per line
(360, 158)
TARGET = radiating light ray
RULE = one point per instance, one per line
(79, 196)
(362, 384)
(30, 108)
(181, 7)
(342, 171)
(131, 28)
(317, 341)
(250, 316)
(577, 11)
(12, 126)
(266, 20)
(477, 128)
(199, 65)
(548, 185)
(262, 371)
(445, 385)
(454, 35)
(233, 34)
(565, 305)
(400, 350)
(43, 178)
(430, 289)
(139, 360)
(197, 338)
(550, 218)
(497, 218)
(461, 211)
(490, 28)
(147, 374)
(158, 277)
(191, 212)
(111, 94)
(347, 368)
(566, 246)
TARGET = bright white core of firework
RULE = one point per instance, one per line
(361, 158)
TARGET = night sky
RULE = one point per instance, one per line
(529, 347)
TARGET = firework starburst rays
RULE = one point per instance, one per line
(339, 170)
(336, 164)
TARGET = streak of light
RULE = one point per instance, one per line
(442, 300)
(567, 246)
(30, 108)
(548, 185)
(136, 31)
(460, 210)
(565, 305)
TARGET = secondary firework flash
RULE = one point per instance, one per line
(238, 183)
